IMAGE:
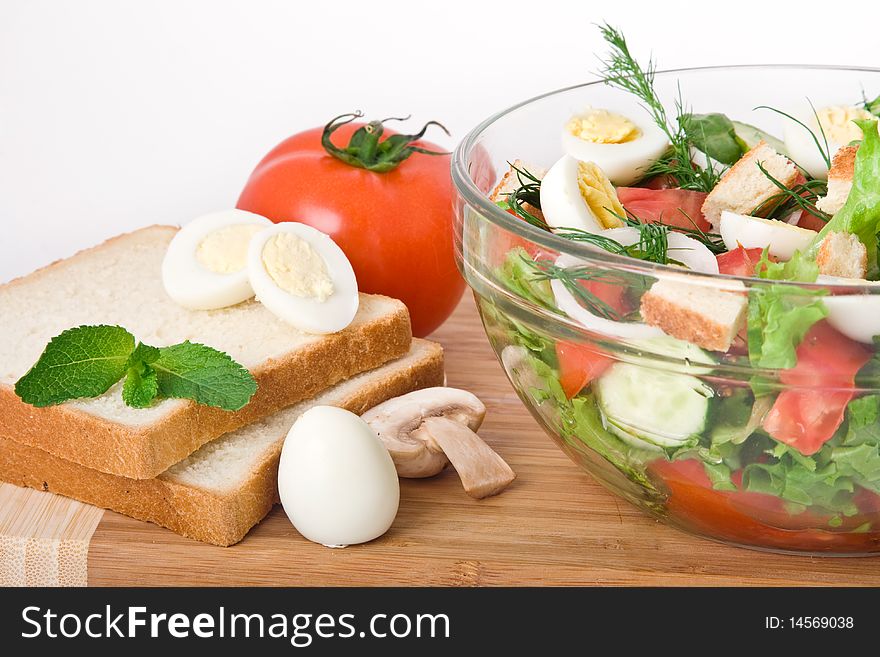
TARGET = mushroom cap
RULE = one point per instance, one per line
(397, 419)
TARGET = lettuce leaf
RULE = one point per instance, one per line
(714, 135)
(861, 213)
(780, 315)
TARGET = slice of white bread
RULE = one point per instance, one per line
(119, 282)
(840, 180)
(707, 317)
(744, 187)
(222, 490)
(843, 255)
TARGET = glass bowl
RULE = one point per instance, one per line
(681, 432)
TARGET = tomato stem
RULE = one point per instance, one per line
(366, 148)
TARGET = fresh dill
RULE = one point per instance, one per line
(621, 70)
(653, 244)
(790, 199)
(823, 150)
(572, 278)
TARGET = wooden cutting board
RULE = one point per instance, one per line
(554, 525)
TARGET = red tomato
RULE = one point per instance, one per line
(755, 518)
(679, 208)
(739, 262)
(808, 220)
(395, 227)
(806, 416)
(578, 365)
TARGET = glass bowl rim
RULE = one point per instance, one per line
(490, 211)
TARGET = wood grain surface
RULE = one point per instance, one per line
(554, 526)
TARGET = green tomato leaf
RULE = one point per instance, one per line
(193, 371)
(80, 362)
(714, 135)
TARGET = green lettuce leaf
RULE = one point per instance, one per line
(518, 274)
(780, 315)
(714, 135)
(861, 213)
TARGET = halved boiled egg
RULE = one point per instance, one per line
(578, 195)
(622, 145)
(303, 277)
(782, 238)
(836, 121)
(568, 304)
(686, 250)
(857, 316)
(205, 266)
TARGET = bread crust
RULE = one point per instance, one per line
(220, 519)
(144, 452)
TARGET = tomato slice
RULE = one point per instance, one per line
(579, 364)
(807, 219)
(679, 208)
(739, 262)
(806, 416)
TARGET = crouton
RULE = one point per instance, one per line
(842, 254)
(707, 317)
(510, 182)
(743, 187)
(840, 180)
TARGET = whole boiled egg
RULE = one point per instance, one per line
(837, 123)
(205, 266)
(578, 195)
(623, 144)
(303, 277)
(781, 238)
(336, 480)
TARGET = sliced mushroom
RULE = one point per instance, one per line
(481, 470)
(426, 429)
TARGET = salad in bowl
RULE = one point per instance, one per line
(679, 274)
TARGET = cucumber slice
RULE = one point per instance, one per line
(651, 409)
(751, 135)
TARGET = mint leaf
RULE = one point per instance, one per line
(141, 386)
(141, 383)
(205, 375)
(80, 362)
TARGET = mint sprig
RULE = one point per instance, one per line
(86, 361)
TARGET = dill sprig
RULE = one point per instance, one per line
(528, 193)
(825, 151)
(653, 244)
(787, 200)
(621, 70)
(572, 279)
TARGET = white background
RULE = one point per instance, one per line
(116, 114)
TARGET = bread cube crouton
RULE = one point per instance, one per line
(705, 316)
(840, 180)
(510, 180)
(842, 254)
(744, 187)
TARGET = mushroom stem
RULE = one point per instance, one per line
(482, 471)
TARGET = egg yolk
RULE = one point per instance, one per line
(224, 251)
(837, 122)
(296, 267)
(600, 126)
(599, 195)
